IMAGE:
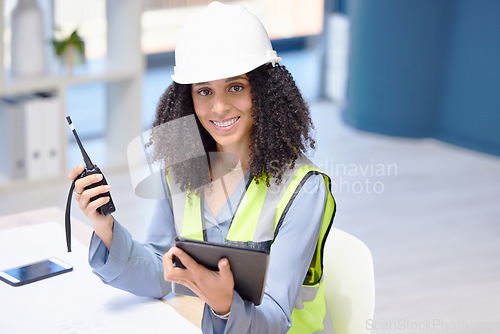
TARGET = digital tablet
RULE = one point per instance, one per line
(249, 266)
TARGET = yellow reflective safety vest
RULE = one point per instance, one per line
(256, 223)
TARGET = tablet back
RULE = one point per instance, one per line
(249, 266)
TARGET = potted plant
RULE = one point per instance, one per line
(71, 50)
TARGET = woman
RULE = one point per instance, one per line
(248, 110)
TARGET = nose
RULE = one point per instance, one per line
(220, 103)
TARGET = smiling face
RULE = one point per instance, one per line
(224, 108)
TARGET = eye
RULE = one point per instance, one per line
(203, 92)
(236, 88)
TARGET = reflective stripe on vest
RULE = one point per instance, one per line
(187, 212)
(257, 221)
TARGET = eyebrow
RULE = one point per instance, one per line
(227, 80)
(235, 78)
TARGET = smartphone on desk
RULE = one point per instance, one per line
(35, 272)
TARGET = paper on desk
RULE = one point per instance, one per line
(75, 302)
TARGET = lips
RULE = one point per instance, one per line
(225, 124)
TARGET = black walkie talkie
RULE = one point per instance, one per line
(90, 169)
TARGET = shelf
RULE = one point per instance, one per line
(94, 71)
(121, 70)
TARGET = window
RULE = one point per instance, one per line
(283, 19)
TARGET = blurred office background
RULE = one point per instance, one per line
(404, 96)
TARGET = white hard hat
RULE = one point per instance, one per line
(221, 41)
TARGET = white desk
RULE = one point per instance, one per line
(76, 302)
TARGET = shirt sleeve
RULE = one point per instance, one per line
(290, 257)
(132, 266)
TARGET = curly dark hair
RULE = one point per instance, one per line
(281, 131)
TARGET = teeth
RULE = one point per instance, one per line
(226, 123)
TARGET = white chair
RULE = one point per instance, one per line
(349, 283)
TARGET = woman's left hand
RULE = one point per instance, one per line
(214, 287)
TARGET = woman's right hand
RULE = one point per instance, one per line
(103, 225)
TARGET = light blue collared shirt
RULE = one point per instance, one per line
(138, 268)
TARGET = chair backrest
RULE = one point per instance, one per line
(349, 283)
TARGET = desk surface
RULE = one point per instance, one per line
(189, 307)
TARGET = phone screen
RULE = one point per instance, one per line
(35, 271)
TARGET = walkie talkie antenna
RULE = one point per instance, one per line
(86, 159)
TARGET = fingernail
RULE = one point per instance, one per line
(98, 176)
(106, 187)
(80, 166)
